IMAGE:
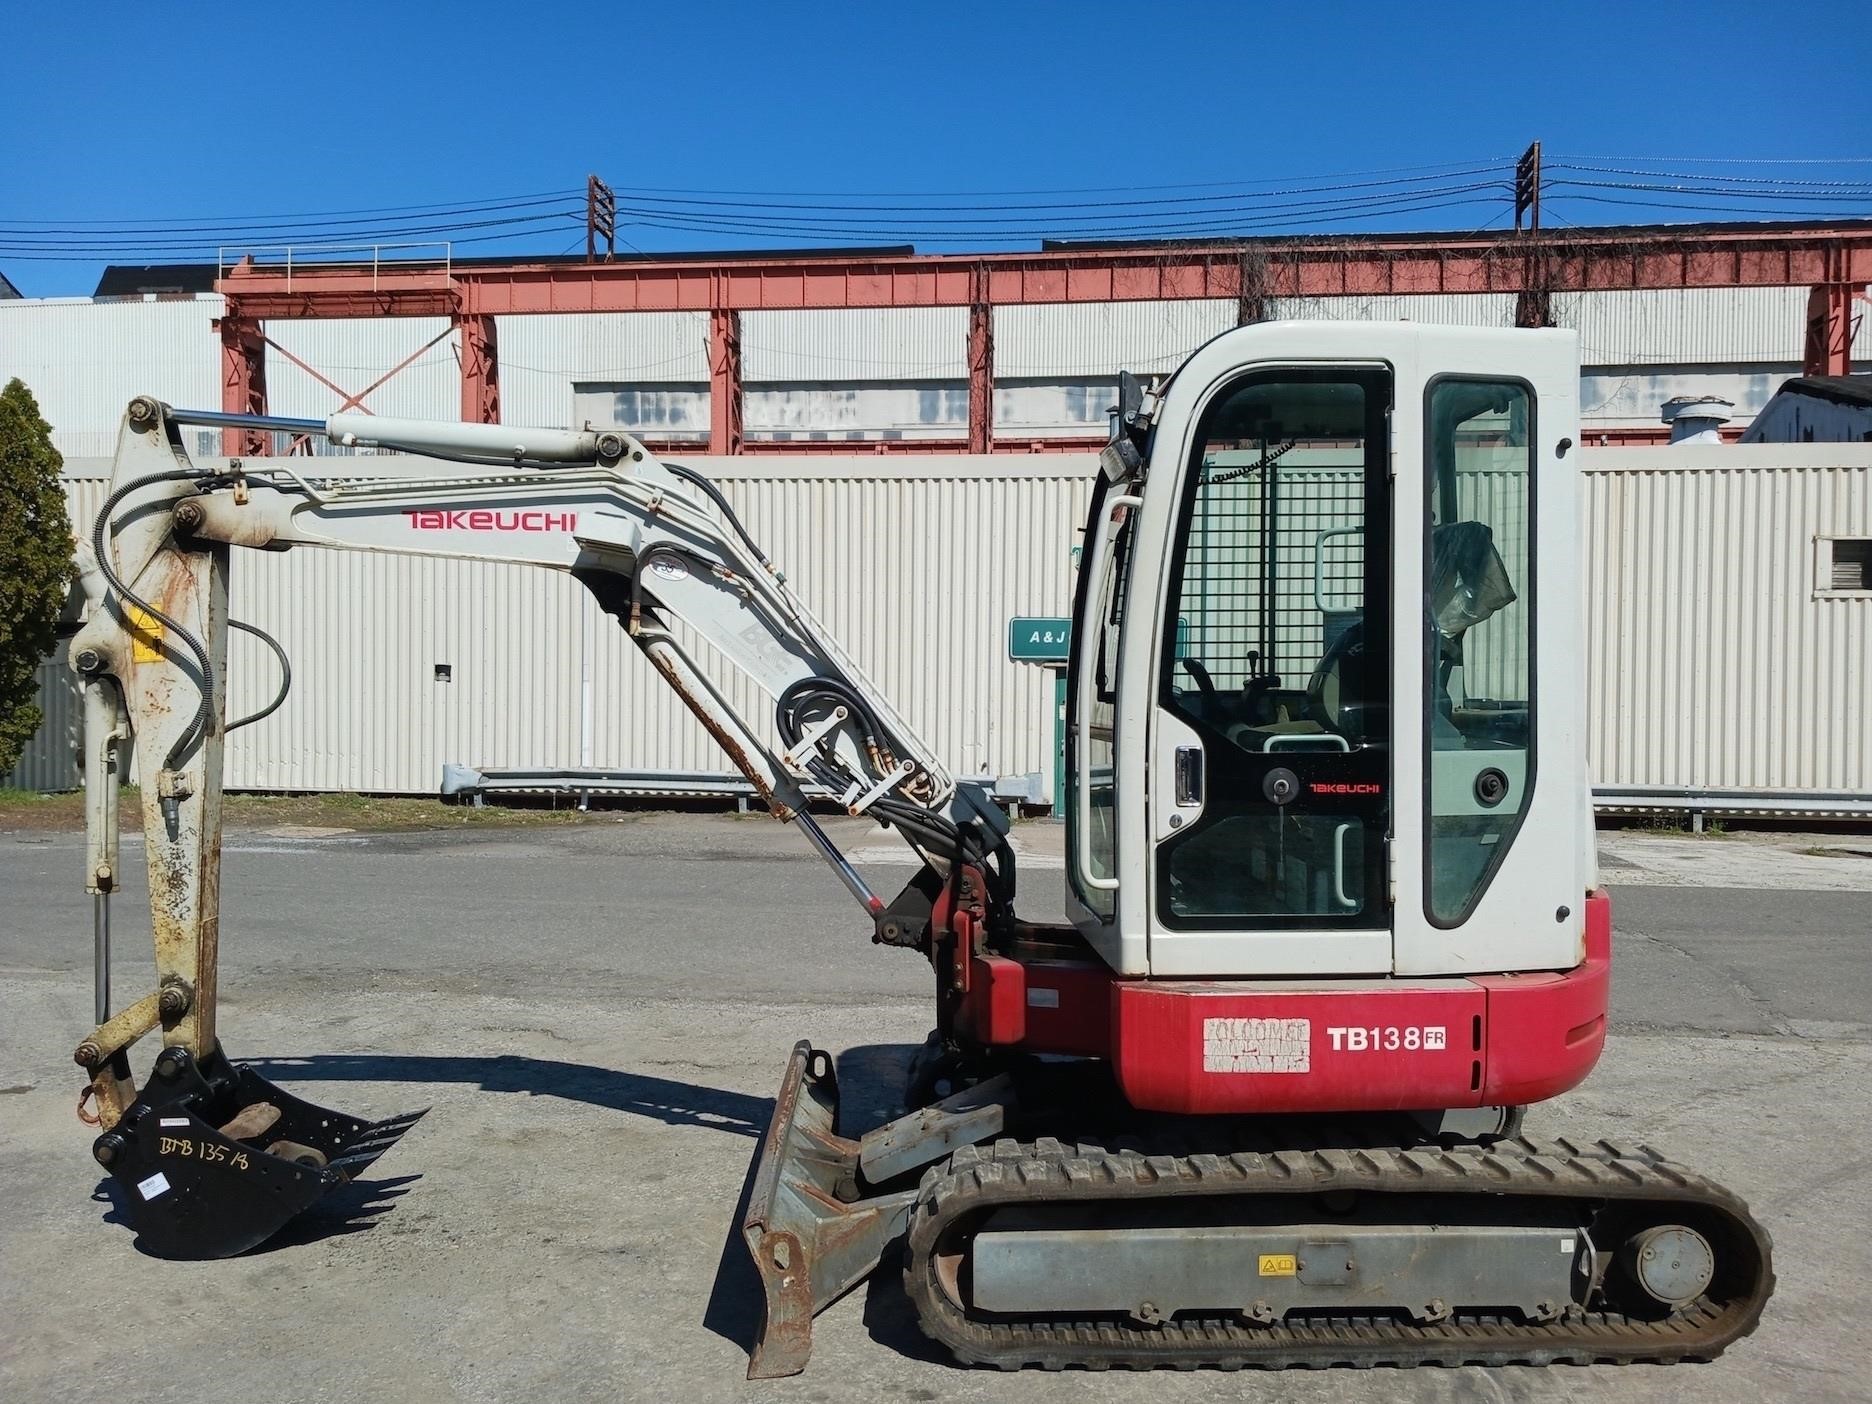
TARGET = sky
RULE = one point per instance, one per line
(113, 113)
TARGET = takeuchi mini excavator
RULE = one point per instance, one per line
(1334, 917)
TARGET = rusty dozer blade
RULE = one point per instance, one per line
(214, 1159)
(812, 1238)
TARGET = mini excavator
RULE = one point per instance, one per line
(1334, 919)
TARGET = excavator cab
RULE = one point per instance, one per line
(1302, 727)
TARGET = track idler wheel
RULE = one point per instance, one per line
(1672, 1264)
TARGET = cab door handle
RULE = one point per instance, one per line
(1189, 775)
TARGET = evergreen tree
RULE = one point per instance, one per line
(35, 563)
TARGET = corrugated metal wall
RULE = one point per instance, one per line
(354, 353)
(1712, 661)
(542, 356)
(51, 760)
(915, 565)
(1102, 338)
(868, 344)
(84, 361)
(1701, 328)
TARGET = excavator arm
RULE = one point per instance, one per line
(656, 544)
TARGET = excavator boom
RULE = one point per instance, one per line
(655, 544)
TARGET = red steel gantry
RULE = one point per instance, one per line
(1834, 260)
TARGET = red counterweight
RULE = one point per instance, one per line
(1223, 1046)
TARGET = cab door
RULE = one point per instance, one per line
(1271, 751)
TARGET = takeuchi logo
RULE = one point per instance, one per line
(485, 519)
(1343, 787)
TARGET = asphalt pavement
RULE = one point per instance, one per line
(599, 1016)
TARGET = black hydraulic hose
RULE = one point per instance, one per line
(198, 726)
(689, 475)
(787, 707)
(930, 828)
(286, 675)
(204, 711)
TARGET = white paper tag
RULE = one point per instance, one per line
(154, 1187)
(1257, 1045)
(1042, 998)
(173, 1121)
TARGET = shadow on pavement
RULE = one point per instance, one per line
(356, 1206)
(871, 1081)
(735, 1307)
(673, 1103)
(353, 1207)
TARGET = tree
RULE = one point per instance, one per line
(35, 563)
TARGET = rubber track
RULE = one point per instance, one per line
(978, 1178)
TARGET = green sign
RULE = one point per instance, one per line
(1039, 640)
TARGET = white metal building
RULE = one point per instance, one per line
(1729, 630)
(1717, 660)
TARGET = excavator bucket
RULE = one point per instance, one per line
(213, 1159)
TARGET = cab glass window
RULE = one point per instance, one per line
(1478, 634)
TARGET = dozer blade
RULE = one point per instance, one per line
(811, 1235)
(214, 1159)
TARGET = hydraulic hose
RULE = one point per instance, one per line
(198, 726)
(689, 475)
(286, 674)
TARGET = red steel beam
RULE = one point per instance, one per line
(981, 368)
(1565, 261)
(480, 370)
(243, 384)
(725, 401)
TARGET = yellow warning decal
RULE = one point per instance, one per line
(145, 635)
(1279, 1265)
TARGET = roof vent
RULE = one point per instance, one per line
(1697, 419)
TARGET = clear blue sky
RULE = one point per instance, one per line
(112, 112)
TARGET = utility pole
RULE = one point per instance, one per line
(600, 219)
(1534, 303)
(1527, 189)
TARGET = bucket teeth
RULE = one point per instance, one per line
(372, 1142)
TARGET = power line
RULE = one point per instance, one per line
(1652, 187)
(1769, 210)
(498, 202)
(326, 241)
(1733, 160)
(1779, 182)
(1234, 195)
(1018, 224)
(135, 256)
(1211, 227)
(1192, 210)
(1488, 161)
